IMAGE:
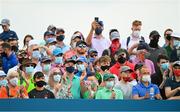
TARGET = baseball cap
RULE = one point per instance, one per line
(138, 66)
(38, 75)
(48, 33)
(107, 76)
(91, 50)
(45, 59)
(33, 42)
(154, 33)
(5, 22)
(114, 35)
(2, 73)
(121, 51)
(70, 60)
(57, 51)
(82, 59)
(126, 68)
(176, 63)
(77, 35)
(176, 35)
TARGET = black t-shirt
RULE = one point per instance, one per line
(41, 94)
(171, 82)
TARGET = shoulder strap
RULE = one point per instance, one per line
(7, 90)
(127, 42)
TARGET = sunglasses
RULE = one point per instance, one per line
(82, 46)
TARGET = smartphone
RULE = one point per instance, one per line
(96, 19)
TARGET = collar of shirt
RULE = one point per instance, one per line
(143, 86)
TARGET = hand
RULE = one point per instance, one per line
(113, 95)
(147, 96)
(94, 25)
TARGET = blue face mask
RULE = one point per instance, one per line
(3, 82)
(98, 31)
(58, 60)
(91, 60)
(36, 54)
(47, 67)
(29, 70)
(81, 67)
(57, 78)
(165, 66)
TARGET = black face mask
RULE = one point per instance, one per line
(3, 54)
(14, 48)
(40, 83)
(154, 43)
(70, 69)
(121, 60)
(98, 31)
(60, 38)
(103, 68)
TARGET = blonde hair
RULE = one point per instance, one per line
(12, 73)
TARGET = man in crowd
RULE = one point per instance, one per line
(172, 85)
(109, 92)
(97, 41)
(7, 33)
(40, 91)
(115, 45)
(145, 89)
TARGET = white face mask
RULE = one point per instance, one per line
(136, 34)
(146, 78)
(109, 84)
(52, 47)
(57, 78)
(14, 81)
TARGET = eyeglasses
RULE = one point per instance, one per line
(82, 46)
(57, 73)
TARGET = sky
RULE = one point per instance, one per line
(34, 16)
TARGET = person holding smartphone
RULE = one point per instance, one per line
(95, 38)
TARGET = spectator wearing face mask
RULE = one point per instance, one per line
(58, 85)
(48, 34)
(155, 49)
(61, 44)
(141, 55)
(123, 84)
(46, 67)
(176, 43)
(135, 36)
(3, 80)
(9, 58)
(172, 85)
(12, 90)
(121, 57)
(72, 79)
(58, 60)
(81, 65)
(109, 92)
(25, 71)
(115, 45)
(164, 71)
(40, 91)
(97, 41)
(145, 89)
(5, 23)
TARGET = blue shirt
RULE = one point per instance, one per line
(5, 35)
(9, 62)
(141, 90)
(64, 48)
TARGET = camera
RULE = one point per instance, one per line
(168, 37)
